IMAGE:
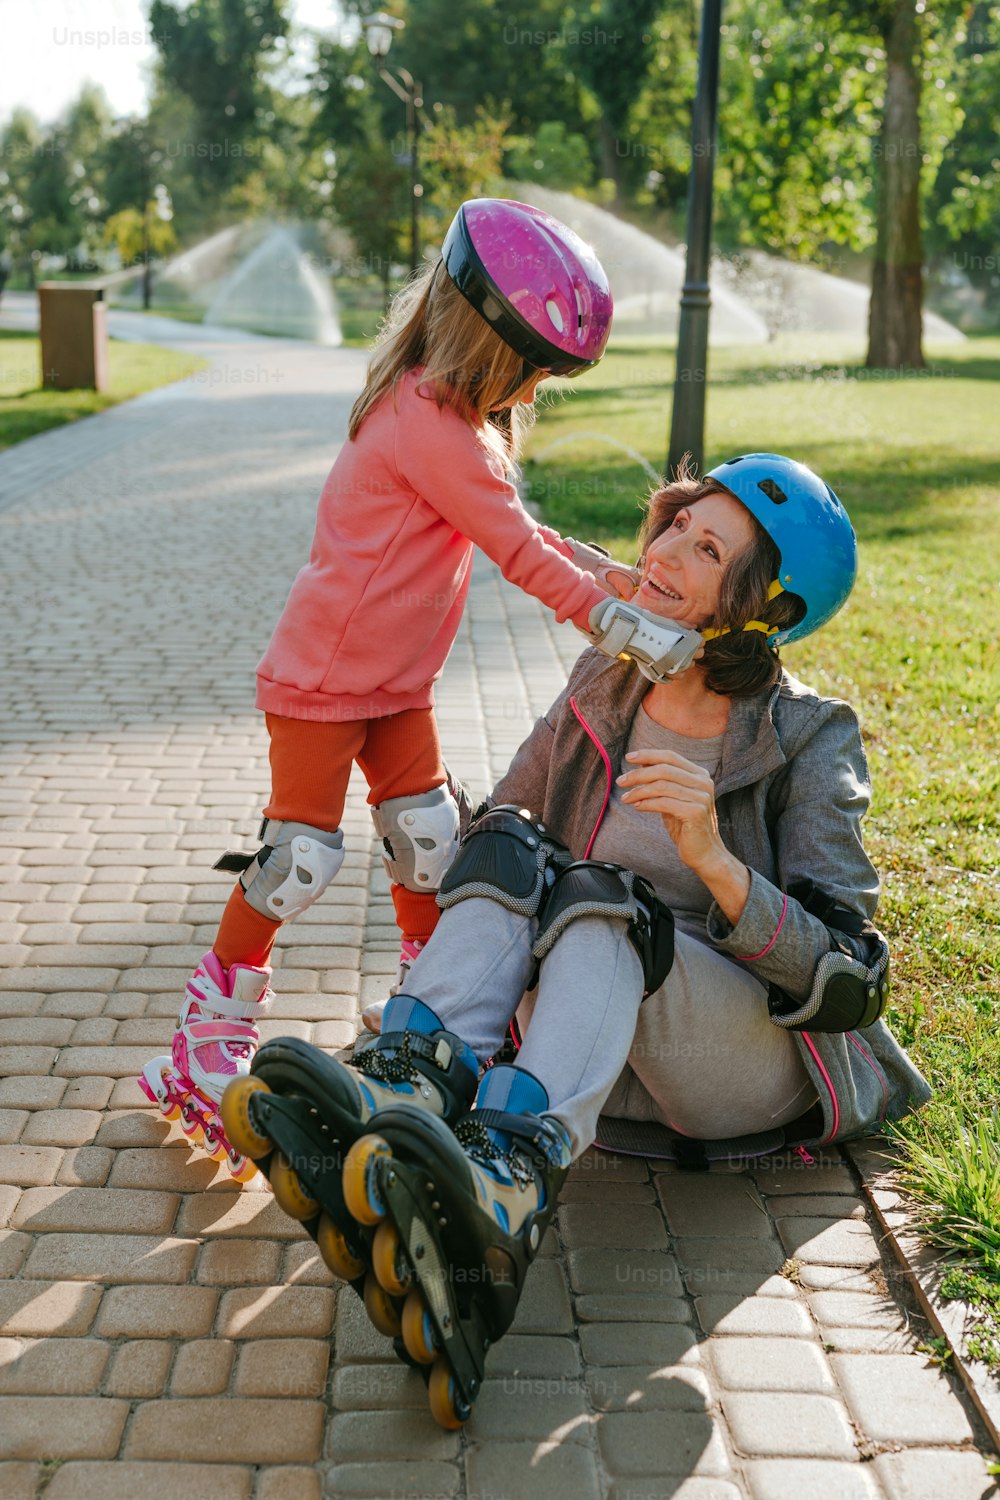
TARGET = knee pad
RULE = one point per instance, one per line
(419, 837)
(506, 856)
(590, 888)
(293, 868)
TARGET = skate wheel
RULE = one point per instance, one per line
(381, 1309)
(191, 1126)
(447, 1407)
(170, 1110)
(418, 1330)
(215, 1146)
(361, 1194)
(392, 1271)
(242, 1169)
(235, 1112)
(289, 1194)
(336, 1252)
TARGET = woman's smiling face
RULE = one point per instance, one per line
(683, 568)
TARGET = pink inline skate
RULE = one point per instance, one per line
(215, 1040)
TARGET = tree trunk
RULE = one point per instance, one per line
(896, 311)
(611, 167)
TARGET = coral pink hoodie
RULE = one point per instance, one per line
(372, 616)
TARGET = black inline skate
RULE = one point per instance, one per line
(299, 1112)
(459, 1216)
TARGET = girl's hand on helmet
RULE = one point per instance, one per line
(684, 796)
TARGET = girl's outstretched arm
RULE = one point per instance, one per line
(448, 464)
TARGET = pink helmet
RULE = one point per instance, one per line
(537, 284)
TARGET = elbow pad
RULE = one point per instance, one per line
(846, 995)
(659, 647)
(851, 984)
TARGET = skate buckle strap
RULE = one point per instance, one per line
(401, 1066)
(473, 1134)
(225, 1005)
(212, 1029)
(515, 1125)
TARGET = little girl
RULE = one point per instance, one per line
(349, 674)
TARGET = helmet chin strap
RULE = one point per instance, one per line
(774, 589)
(527, 370)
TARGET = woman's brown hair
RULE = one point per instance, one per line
(740, 663)
(466, 365)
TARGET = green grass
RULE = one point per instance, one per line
(185, 312)
(360, 308)
(27, 409)
(917, 463)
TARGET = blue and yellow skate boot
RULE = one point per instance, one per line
(458, 1216)
(299, 1112)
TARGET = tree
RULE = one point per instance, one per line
(37, 192)
(516, 57)
(370, 188)
(552, 155)
(895, 319)
(371, 197)
(963, 218)
(461, 161)
(613, 53)
(126, 231)
(216, 53)
(798, 106)
(21, 143)
(85, 128)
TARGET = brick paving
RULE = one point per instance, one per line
(161, 1331)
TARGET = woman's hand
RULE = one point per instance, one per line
(684, 796)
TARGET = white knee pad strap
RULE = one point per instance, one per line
(294, 867)
(419, 837)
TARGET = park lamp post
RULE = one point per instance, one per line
(687, 423)
(379, 30)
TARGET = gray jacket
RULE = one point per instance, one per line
(791, 790)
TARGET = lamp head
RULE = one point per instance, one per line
(378, 31)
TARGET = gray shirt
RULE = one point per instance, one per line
(639, 840)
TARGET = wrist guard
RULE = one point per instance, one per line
(611, 575)
(660, 648)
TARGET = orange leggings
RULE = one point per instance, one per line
(400, 756)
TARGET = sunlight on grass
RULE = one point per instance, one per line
(27, 409)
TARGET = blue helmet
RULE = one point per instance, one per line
(808, 525)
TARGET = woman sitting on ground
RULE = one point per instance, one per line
(679, 865)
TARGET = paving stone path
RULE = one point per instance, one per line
(701, 1336)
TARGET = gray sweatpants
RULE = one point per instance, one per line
(700, 1054)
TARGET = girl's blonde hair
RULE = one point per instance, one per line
(466, 365)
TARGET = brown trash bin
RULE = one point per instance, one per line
(74, 329)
